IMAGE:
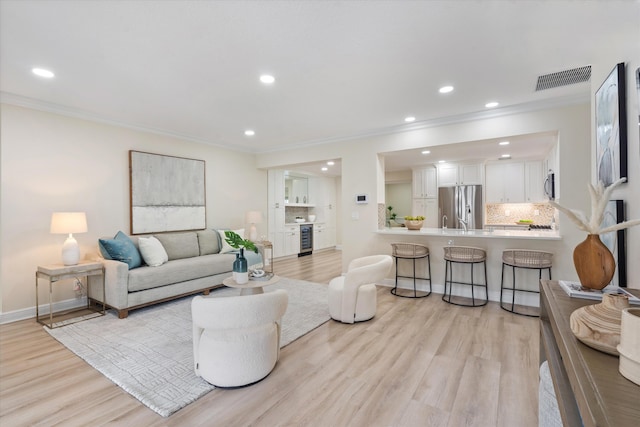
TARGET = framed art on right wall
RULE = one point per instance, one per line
(615, 240)
(611, 128)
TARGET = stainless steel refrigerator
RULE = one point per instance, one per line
(460, 202)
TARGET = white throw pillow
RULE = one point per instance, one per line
(225, 248)
(152, 251)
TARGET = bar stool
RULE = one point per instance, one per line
(465, 255)
(523, 258)
(412, 251)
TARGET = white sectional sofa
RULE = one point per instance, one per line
(194, 265)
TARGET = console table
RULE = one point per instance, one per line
(588, 386)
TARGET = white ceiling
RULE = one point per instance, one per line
(342, 68)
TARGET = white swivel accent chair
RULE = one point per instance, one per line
(236, 340)
(352, 297)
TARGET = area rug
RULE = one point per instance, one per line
(150, 355)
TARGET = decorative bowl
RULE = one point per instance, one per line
(312, 218)
(299, 220)
(413, 225)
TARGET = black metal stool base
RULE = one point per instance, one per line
(513, 290)
(416, 294)
(446, 297)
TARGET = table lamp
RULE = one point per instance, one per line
(253, 218)
(69, 223)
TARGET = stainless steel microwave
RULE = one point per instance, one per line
(550, 186)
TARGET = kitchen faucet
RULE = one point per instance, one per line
(464, 224)
(444, 221)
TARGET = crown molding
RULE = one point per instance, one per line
(445, 121)
(22, 101)
(36, 104)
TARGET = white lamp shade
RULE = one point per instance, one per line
(68, 222)
(253, 217)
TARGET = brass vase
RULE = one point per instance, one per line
(594, 263)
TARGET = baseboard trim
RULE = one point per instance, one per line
(30, 312)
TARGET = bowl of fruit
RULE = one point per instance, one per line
(413, 222)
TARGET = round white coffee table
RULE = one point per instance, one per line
(252, 287)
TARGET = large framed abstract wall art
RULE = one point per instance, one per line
(611, 128)
(167, 193)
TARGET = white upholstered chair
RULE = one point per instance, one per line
(236, 340)
(352, 297)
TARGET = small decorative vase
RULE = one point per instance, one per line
(413, 225)
(594, 263)
(240, 269)
(598, 325)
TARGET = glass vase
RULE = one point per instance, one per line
(240, 268)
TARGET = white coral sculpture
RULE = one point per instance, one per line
(599, 199)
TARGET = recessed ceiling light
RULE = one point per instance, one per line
(43, 73)
(324, 169)
(249, 132)
(503, 143)
(331, 163)
(446, 89)
(442, 161)
(506, 156)
(426, 152)
(491, 104)
(267, 79)
(409, 119)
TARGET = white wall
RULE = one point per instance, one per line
(55, 163)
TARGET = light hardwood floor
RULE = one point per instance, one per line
(417, 363)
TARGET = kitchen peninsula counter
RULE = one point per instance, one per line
(487, 234)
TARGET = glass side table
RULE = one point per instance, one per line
(57, 272)
(268, 260)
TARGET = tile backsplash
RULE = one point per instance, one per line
(509, 213)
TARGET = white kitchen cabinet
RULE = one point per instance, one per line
(447, 175)
(450, 174)
(425, 184)
(504, 183)
(470, 174)
(428, 208)
(534, 182)
(323, 236)
(291, 240)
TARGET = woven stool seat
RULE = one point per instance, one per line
(522, 258)
(466, 255)
(409, 250)
(412, 251)
(526, 258)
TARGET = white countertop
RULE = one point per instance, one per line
(453, 232)
(287, 224)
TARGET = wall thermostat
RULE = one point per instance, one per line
(362, 198)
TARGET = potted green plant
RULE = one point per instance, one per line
(240, 266)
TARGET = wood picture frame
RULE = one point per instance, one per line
(611, 127)
(615, 241)
(167, 193)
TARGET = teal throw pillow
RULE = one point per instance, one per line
(121, 248)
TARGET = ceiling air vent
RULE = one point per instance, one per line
(564, 78)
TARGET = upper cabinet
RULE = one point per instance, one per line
(504, 182)
(425, 184)
(534, 182)
(296, 190)
(450, 174)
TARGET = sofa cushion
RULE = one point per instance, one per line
(179, 270)
(152, 251)
(224, 246)
(180, 245)
(121, 248)
(208, 242)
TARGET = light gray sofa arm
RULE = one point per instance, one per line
(116, 283)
